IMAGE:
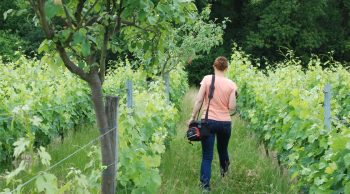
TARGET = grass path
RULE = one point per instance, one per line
(250, 170)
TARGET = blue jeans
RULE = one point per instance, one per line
(222, 130)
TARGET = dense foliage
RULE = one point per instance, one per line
(41, 105)
(264, 27)
(285, 108)
(17, 30)
(53, 103)
(144, 128)
(203, 65)
(11, 46)
(183, 43)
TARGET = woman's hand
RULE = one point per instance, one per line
(190, 121)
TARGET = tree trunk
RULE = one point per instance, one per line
(106, 149)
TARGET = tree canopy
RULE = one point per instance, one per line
(263, 27)
(79, 35)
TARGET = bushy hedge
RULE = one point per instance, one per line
(11, 45)
(285, 109)
(53, 101)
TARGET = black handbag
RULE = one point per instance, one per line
(199, 129)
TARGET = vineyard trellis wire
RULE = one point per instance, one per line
(66, 158)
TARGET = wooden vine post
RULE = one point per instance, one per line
(111, 108)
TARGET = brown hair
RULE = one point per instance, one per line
(221, 63)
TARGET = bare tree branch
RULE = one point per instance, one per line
(93, 20)
(91, 59)
(42, 17)
(86, 14)
(69, 64)
(114, 6)
(117, 26)
(49, 32)
(79, 10)
(103, 55)
(106, 37)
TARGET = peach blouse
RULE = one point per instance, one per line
(219, 104)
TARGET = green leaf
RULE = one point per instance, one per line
(81, 64)
(158, 148)
(322, 165)
(20, 146)
(152, 20)
(66, 187)
(10, 176)
(78, 38)
(157, 179)
(347, 187)
(289, 146)
(319, 181)
(44, 46)
(267, 136)
(7, 12)
(46, 183)
(295, 92)
(339, 143)
(294, 175)
(51, 9)
(64, 34)
(347, 160)
(97, 7)
(348, 145)
(85, 48)
(44, 156)
(182, 19)
(164, 9)
(304, 114)
(305, 171)
(36, 121)
(331, 168)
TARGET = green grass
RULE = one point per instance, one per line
(59, 150)
(250, 170)
(70, 144)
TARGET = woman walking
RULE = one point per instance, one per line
(219, 120)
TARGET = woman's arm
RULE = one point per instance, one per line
(198, 102)
(232, 101)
